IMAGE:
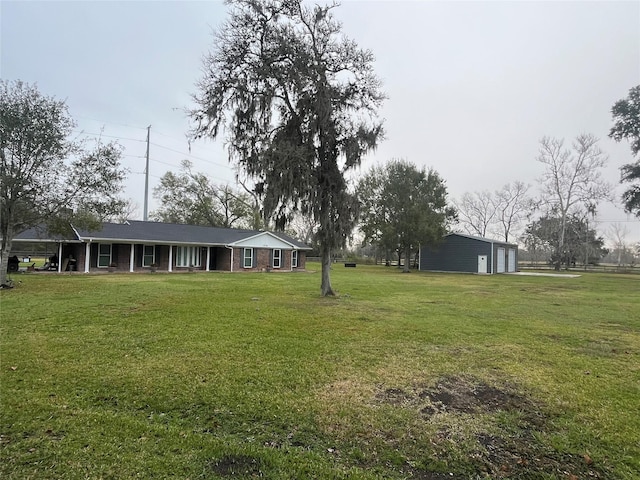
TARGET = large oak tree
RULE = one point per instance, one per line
(579, 242)
(626, 116)
(404, 207)
(297, 101)
(46, 179)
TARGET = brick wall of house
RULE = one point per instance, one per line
(120, 254)
(81, 255)
(263, 260)
(302, 260)
(223, 259)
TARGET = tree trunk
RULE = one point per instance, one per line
(561, 253)
(326, 269)
(407, 256)
(4, 266)
(7, 241)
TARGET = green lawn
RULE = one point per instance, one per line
(427, 376)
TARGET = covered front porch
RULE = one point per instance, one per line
(94, 257)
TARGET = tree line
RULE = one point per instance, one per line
(297, 102)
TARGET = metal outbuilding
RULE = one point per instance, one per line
(465, 253)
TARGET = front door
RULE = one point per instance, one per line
(482, 264)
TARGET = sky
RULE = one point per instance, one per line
(472, 87)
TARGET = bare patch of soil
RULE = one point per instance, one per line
(457, 395)
(232, 465)
(511, 450)
(460, 395)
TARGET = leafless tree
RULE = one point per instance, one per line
(258, 222)
(512, 206)
(303, 227)
(617, 235)
(130, 210)
(571, 180)
(476, 212)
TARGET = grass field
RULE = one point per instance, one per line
(426, 376)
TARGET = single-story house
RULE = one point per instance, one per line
(135, 246)
(465, 253)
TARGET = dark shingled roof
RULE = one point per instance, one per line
(156, 232)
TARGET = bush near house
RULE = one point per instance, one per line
(401, 376)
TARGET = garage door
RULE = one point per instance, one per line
(511, 266)
(500, 264)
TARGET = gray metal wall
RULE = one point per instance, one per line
(455, 254)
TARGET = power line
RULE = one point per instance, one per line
(618, 221)
(169, 136)
(144, 173)
(110, 123)
(108, 136)
(164, 163)
(192, 156)
(213, 177)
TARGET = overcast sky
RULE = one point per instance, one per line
(472, 86)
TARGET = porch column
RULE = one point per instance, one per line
(170, 258)
(208, 258)
(131, 259)
(59, 257)
(87, 257)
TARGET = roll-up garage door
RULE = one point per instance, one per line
(500, 264)
(511, 266)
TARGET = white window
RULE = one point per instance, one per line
(148, 255)
(277, 256)
(248, 258)
(294, 259)
(104, 255)
(188, 257)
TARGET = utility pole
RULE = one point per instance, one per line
(145, 215)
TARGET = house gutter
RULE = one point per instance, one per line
(230, 248)
(131, 259)
(76, 232)
(87, 256)
(59, 257)
(491, 272)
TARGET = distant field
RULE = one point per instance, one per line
(217, 375)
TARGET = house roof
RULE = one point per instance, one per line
(41, 235)
(482, 239)
(135, 231)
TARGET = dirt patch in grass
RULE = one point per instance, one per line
(462, 395)
(509, 445)
(233, 465)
